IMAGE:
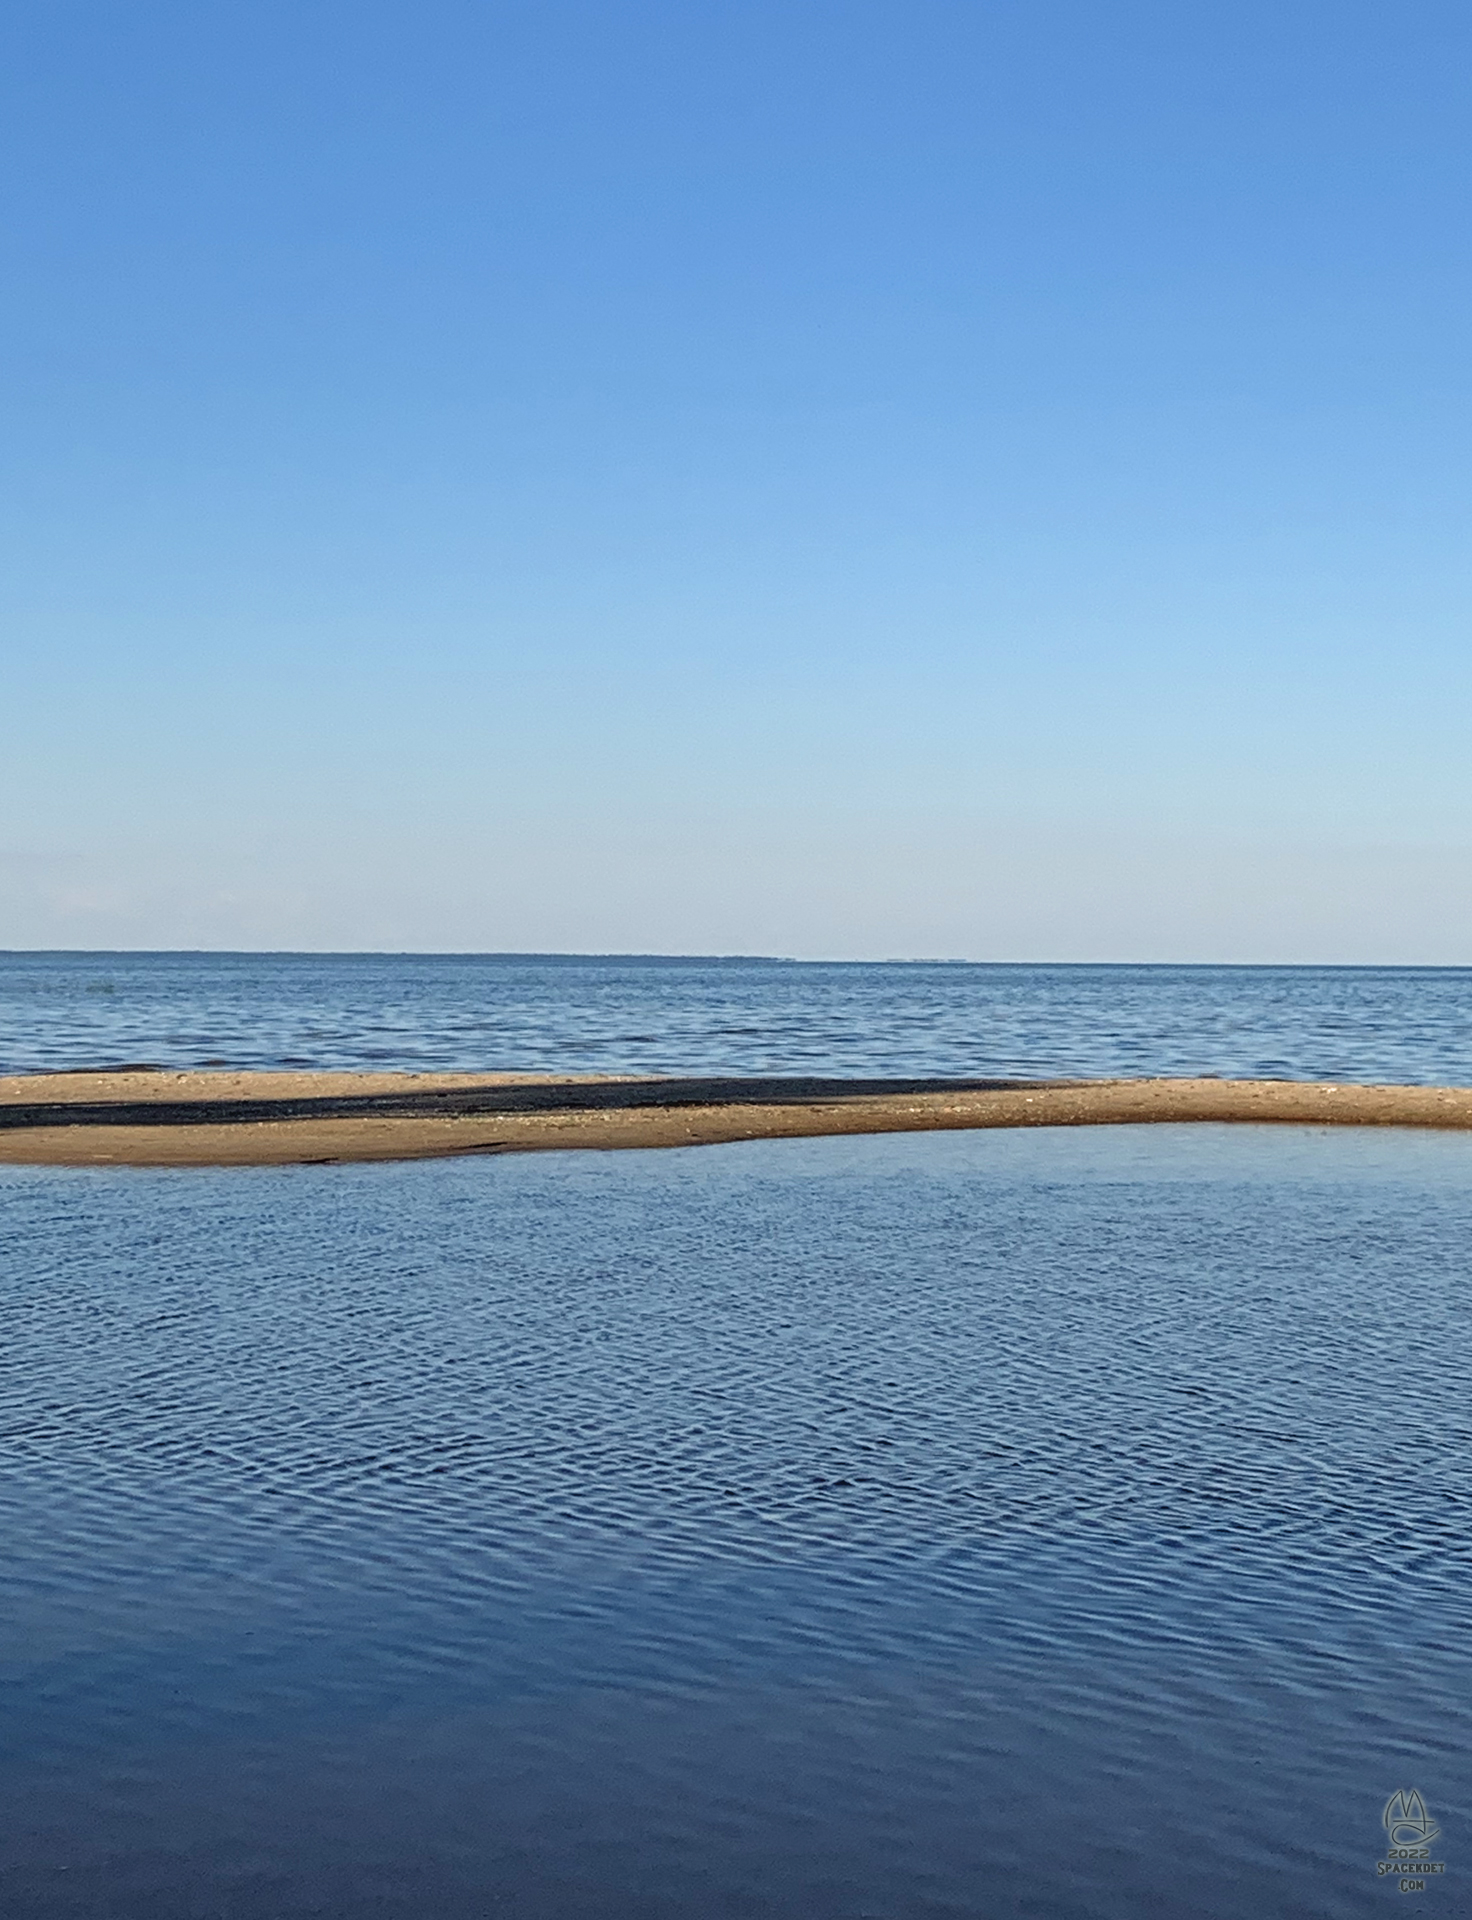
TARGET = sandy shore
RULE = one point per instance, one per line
(153, 1119)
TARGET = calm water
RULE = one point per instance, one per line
(751, 1016)
(1062, 1525)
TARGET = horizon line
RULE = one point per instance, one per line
(715, 959)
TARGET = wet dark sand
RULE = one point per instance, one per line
(146, 1118)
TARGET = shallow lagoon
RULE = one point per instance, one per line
(1059, 1524)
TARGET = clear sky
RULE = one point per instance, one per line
(978, 478)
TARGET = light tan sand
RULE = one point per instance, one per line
(165, 1084)
(413, 1137)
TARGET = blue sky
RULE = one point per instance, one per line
(870, 479)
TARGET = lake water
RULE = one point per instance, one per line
(1074, 1525)
(578, 1015)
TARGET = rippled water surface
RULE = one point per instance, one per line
(568, 1014)
(1068, 1524)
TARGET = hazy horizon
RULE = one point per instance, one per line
(515, 954)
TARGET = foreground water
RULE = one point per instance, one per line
(1068, 1524)
(571, 1015)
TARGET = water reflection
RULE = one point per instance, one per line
(967, 1524)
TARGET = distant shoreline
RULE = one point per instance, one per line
(512, 956)
(143, 1118)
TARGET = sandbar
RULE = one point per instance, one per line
(151, 1118)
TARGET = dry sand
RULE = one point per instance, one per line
(154, 1119)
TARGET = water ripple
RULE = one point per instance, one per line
(572, 1014)
(969, 1524)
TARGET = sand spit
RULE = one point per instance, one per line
(147, 1118)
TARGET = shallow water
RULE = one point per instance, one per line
(1068, 1524)
(569, 1014)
